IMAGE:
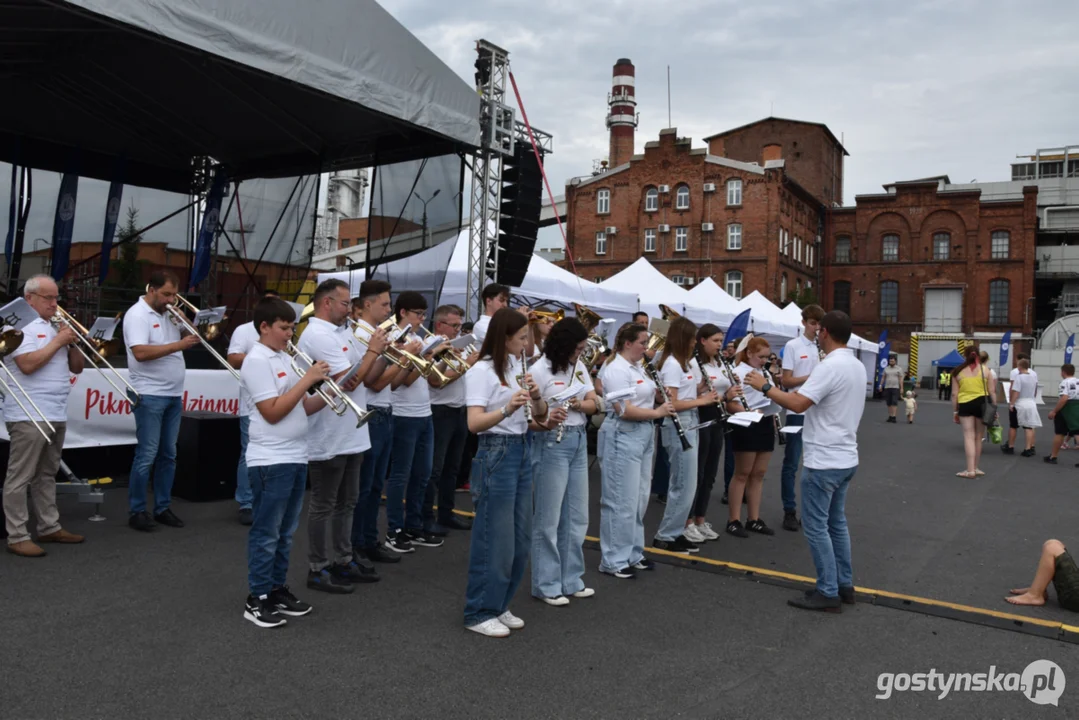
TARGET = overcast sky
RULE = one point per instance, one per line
(913, 88)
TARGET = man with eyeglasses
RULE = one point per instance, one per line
(41, 367)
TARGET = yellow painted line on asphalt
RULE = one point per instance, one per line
(864, 590)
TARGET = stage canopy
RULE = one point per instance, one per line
(270, 88)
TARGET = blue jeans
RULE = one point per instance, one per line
(410, 471)
(278, 498)
(560, 521)
(792, 457)
(502, 494)
(243, 481)
(627, 468)
(157, 425)
(376, 462)
(824, 522)
(683, 476)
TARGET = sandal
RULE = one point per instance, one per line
(979, 473)
(966, 474)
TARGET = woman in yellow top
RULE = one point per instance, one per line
(972, 386)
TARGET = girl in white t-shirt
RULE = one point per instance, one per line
(753, 446)
(495, 394)
(710, 439)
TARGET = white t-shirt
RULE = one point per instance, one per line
(1070, 387)
(686, 382)
(800, 356)
(837, 388)
(48, 387)
(164, 376)
(453, 395)
(243, 339)
(619, 375)
(717, 376)
(383, 398)
(412, 401)
(1026, 384)
(267, 374)
(480, 329)
(483, 389)
(330, 434)
(551, 383)
(756, 400)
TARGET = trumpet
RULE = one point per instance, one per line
(391, 354)
(93, 351)
(9, 343)
(331, 393)
(535, 317)
(205, 332)
(428, 368)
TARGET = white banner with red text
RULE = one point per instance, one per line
(97, 415)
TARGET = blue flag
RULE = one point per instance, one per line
(112, 214)
(1005, 347)
(881, 345)
(882, 362)
(63, 225)
(739, 327)
(10, 241)
(204, 245)
(1068, 349)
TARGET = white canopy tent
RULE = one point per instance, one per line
(765, 318)
(709, 295)
(653, 288)
(865, 350)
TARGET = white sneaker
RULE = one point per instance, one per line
(490, 628)
(707, 532)
(586, 593)
(511, 621)
(556, 601)
(692, 534)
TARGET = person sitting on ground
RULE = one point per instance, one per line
(1055, 565)
(912, 406)
(1021, 399)
(1065, 415)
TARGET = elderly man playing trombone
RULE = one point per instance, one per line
(40, 368)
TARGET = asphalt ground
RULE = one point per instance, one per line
(136, 625)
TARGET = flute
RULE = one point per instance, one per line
(561, 431)
(651, 370)
(521, 383)
(701, 361)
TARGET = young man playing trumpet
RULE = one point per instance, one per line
(39, 369)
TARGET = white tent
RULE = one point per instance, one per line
(865, 350)
(710, 295)
(765, 318)
(653, 288)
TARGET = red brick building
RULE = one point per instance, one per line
(923, 257)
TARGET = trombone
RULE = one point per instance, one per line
(9, 343)
(93, 351)
(211, 330)
(391, 354)
(535, 317)
(331, 393)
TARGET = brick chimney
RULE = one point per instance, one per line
(622, 113)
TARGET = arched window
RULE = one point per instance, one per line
(889, 248)
(603, 201)
(734, 284)
(651, 200)
(841, 296)
(798, 285)
(889, 301)
(842, 250)
(998, 302)
(1001, 244)
(734, 236)
(942, 246)
(734, 192)
(681, 198)
(783, 287)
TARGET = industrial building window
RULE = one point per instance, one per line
(942, 246)
(734, 284)
(734, 237)
(842, 250)
(681, 198)
(889, 301)
(783, 288)
(998, 302)
(601, 243)
(1002, 240)
(734, 192)
(889, 248)
(603, 202)
(681, 239)
(841, 296)
(809, 256)
(797, 249)
(650, 240)
(1051, 169)
(651, 200)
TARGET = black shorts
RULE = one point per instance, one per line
(891, 396)
(1066, 582)
(972, 408)
(758, 437)
(1013, 419)
(1060, 426)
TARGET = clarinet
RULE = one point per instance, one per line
(733, 380)
(723, 414)
(820, 350)
(523, 386)
(777, 421)
(654, 376)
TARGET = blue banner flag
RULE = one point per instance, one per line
(1005, 348)
(112, 214)
(881, 344)
(739, 327)
(10, 241)
(882, 362)
(204, 245)
(1068, 348)
(63, 225)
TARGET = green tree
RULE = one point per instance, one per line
(127, 266)
(807, 296)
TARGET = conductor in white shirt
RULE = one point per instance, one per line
(832, 399)
(156, 366)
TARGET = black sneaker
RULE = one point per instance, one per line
(169, 518)
(436, 529)
(142, 521)
(325, 581)
(1052, 460)
(1028, 453)
(790, 521)
(846, 595)
(260, 611)
(644, 564)
(675, 546)
(246, 516)
(758, 526)
(1007, 449)
(423, 538)
(354, 572)
(626, 573)
(813, 600)
(456, 522)
(377, 554)
(286, 603)
(734, 527)
(398, 542)
(724, 499)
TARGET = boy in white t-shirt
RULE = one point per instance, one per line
(277, 403)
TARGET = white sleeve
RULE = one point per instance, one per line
(242, 340)
(30, 343)
(479, 386)
(788, 356)
(257, 376)
(136, 329)
(328, 348)
(671, 373)
(615, 379)
(819, 383)
(541, 375)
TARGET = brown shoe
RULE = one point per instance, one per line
(26, 548)
(61, 536)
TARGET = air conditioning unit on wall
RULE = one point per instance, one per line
(664, 188)
(664, 228)
(611, 230)
(709, 187)
(707, 227)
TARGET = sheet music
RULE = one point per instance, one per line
(104, 328)
(209, 316)
(620, 394)
(18, 314)
(432, 342)
(744, 418)
(791, 429)
(570, 392)
(463, 341)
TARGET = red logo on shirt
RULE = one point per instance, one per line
(640, 382)
(156, 325)
(802, 357)
(281, 374)
(556, 382)
(344, 349)
(41, 336)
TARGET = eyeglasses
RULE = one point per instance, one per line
(47, 298)
(418, 313)
(455, 326)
